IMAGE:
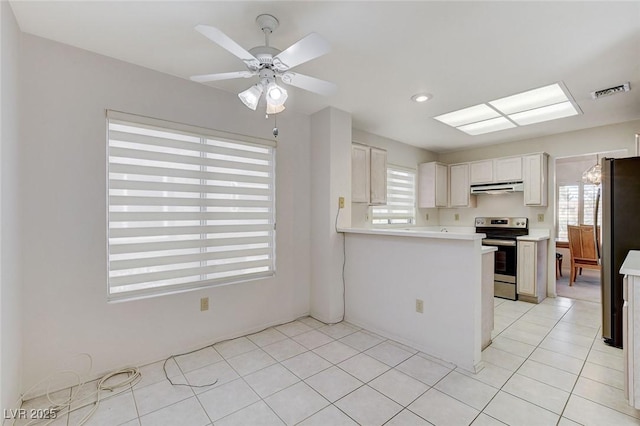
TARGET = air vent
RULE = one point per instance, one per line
(611, 91)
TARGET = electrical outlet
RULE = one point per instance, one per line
(341, 202)
(204, 304)
(540, 217)
(426, 216)
(456, 216)
(419, 306)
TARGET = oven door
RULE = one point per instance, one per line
(504, 267)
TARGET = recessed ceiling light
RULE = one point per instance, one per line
(531, 99)
(421, 97)
(551, 112)
(468, 115)
(487, 126)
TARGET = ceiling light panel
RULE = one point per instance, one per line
(487, 126)
(551, 112)
(468, 115)
(531, 99)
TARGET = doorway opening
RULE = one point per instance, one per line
(576, 205)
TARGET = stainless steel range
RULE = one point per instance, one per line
(502, 233)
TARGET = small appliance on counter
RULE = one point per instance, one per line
(502, 233)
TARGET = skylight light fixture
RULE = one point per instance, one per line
(533, 106)
(468, 115)
(538, 115)
(487, 126)
(525, 101)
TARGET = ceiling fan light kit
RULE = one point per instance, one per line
(269, 64)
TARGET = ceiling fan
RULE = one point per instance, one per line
(270, 64)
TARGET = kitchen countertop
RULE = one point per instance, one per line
(631, 264)
(535, 235)
(488, 249)
(420, 233)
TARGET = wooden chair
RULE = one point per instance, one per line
(582, 246)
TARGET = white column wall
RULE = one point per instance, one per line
(11, 336)
(64, 94)
(331, 179)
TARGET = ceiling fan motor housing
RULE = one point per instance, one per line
(264, 54)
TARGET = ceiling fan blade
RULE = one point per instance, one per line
(311, 84)
(217, 36)
(222, 76)
(306, 49)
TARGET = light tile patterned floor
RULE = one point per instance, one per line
(546, 366)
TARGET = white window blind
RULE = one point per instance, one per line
(401, 199)
(576, 205)
(187, 209)
(568, 209)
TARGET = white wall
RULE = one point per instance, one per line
(65, 92)
(10, 252)
(398, 154)
(597, 139)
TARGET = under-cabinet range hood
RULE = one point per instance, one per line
(497, 188)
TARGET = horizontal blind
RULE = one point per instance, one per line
(401, 199)
(186, 210)
(568, 209)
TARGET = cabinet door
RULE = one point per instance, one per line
(535, 180)
(378, 176)
(508, 169)
(442, 187)
(459, 185)
(481, 172)
(527, 268)
(359, 174)
(432, 185)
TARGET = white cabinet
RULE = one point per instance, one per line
(459, 190)
(508, 169)
(481, 172)
(496, 170)
(535, 179)
(368, 175)
(532, 270)
(360, 180)
(378, 189)
(432, 185)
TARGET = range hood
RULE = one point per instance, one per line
(497, 188)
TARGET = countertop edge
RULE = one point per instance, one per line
(412, 233)
(631, 264)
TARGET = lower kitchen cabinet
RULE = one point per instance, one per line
(631, 327)
(532, 270)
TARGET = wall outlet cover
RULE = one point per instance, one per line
(204, 304)
(341, 202)
(457, 216)
(419, 306)
(540, 217)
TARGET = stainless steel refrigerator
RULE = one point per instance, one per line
(620, 233)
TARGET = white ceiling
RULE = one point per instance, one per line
(464, 53)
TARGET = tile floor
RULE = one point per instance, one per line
(546, 366)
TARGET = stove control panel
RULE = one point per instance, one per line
(502, 222)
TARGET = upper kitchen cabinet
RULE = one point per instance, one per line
(535, 179)
(481, 172)
(497, 170)
(459, 193)
(378, 190)
(432, 185)
(508, 169)
(368, 175)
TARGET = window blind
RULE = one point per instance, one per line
(568, 209)
(401, 196)
(186, 209)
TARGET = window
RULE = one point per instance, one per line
(401, 198)
(186, 207)
(576, 204)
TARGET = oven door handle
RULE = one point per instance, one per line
(489, 242)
